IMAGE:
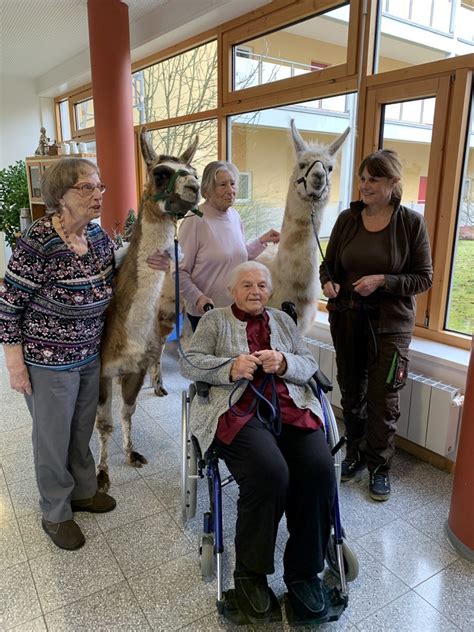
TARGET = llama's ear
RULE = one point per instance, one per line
(188, 155)
(338, 142)
(300, 145)
(149, 154)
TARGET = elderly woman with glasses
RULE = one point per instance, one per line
(56, 289)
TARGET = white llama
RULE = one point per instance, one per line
(137, 323)
(295, 267)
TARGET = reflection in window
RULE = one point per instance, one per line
(64, 121)
(84, 113)
(295, 50)
(412, 32)
(407, 128)
(175, 140)
(178, 86)
(460, 312)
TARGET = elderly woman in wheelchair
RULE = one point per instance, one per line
(264, 421)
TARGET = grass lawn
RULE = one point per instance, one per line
(461, 310)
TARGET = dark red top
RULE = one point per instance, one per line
(258, 338)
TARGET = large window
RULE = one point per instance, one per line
(308, 46)
(84, 114)
(420, 31)
(460, 312)
(179, 86)
(261, 144)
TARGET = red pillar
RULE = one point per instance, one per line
(460, 525)
(109, 41)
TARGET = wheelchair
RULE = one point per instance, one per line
(340, 559)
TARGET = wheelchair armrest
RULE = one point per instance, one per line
(322, 381)
(202, 389)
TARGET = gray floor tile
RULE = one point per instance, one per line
(147, 543)
(25, 497)
(409, 613)
(134, 501)
(16, 415)
(174, 595)
(166, 486)
(12, 550)
(36, 625)
(430, 519)
(410, 555)
(360, 514)
(18, 465)
(375, 587)
(15, 440)
(114, 608)
(36, 541)
(62, 577)
(18, 597)
(451, 592)
(3, 480)
(6, 507)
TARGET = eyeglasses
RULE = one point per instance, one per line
(88, 188)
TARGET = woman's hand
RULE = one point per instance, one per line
(159, 260)
(271, 236)
(331, 290)
(203, 300)
(20, 379)
(272, 361)
(366, 285)
(243, 367)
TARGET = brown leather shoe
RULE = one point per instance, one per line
(67, 535)
(99, 503)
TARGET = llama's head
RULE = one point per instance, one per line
(172, 182)
(314, 166)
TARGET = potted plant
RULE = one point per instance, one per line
(13, 197)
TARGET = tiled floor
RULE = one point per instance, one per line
(139, 567)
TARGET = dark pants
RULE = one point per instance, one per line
(371, 369)
(292, 473)
(63, 405)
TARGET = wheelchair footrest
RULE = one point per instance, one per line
(337, 603)
(230, 610)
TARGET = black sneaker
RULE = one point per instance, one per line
(307, 599)
(350, 467)
(379, 486)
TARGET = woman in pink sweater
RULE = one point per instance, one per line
(214, 244)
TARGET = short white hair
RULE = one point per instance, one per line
(248, 266)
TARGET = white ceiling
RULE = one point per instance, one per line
(41, 38)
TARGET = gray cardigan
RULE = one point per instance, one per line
(221, 336)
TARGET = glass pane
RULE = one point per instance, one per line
(84, 113)
(412, 32)
(460, 312)
(174, 140)
(257, 136)
(305, 47)
(407, 129)
(35, 180)
(182, 85)
(64, 120)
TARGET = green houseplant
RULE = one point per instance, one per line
(13, 197)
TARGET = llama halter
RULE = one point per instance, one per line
(304, 178)
(166, 195)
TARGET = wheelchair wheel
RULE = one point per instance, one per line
(351, 563)
(207, 556)
(188, 465)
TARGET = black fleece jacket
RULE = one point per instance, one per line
(411, 270)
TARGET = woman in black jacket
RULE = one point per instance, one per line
(378, 257)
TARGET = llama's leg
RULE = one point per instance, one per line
(157, 376)
(104, 425)
(131, 385)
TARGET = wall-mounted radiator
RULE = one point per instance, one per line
(429, 410)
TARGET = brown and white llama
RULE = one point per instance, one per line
(137, 322)
(295, 266)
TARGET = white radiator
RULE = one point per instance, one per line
(430, 411)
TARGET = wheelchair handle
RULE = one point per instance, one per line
(207, 307)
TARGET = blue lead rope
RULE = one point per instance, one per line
(271, 417)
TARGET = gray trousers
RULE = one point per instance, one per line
(63, 407)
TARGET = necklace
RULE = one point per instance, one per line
(97, 291)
